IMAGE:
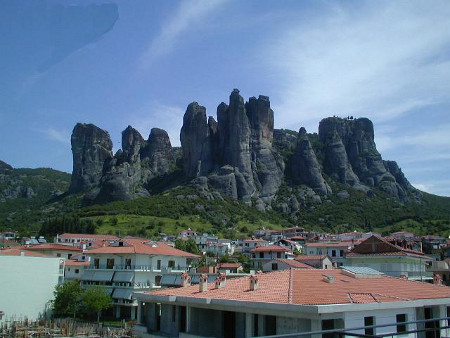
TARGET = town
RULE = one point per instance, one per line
(276, 282)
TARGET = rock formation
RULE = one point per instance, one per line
(305, 167)
(91, 147)
(240, 156)
(235, 153)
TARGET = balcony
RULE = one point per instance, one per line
(120, 267)
(438, 266)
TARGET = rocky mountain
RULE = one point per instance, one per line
(240, 156)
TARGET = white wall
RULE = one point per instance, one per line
(386, 316)
(27, 285)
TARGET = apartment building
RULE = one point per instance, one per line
(129, 265)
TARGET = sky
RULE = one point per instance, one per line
(140, 63)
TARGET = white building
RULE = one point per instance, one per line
(292, 301)
(74, 239)
(55, 250)
(27, 282)
(128, 265)
(335, 250)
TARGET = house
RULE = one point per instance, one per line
(55, 250)
(75, 266)
(27, 282)
(74, 239)
(335, 250)
(377, 253)
(229, 244)
(128, 265)
(291, 302)
(216, 249)
(204, 240)
(432, 245)
(296, 231)
(440, 271)
(283, 264)
(290, 245)
(316, 261)
(263, 254)
(228, 268)
(249, 244)
(187, 233)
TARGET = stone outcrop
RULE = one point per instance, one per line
(91, 147)
(235, 153)
(241, 156)
(305, 167)
(352, 157)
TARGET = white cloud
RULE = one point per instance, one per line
(381, 60)
(62, 135)
(157, 115)
(190, 13)
(437, 187)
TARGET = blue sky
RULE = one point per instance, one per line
(140, 63)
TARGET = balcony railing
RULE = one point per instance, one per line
(163, 269)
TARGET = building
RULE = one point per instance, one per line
(263, 254)
(249, 244)
(129, 265)
(289, 302)
(316, 261)
(73, 239)
(377, 253)
(55, 250)
(335, 250)
(228, 268)
(294, 232)
(27, 282)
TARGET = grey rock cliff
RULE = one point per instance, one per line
(305, 167)
(91, 147)
(158, 155)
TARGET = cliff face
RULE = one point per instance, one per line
(352, 157)
(240, 155)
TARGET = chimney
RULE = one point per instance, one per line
(328, 279)
(254, 283)
(185, 279)
(203, 285)
(220, 280)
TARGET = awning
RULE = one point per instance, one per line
(122, 293)
(89, 275)
(123, 276)
(103, 276)
(171, 280)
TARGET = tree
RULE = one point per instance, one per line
(96, 299)
(68, 299)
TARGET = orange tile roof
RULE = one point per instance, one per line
(326, 244)
(306, 287)
(90, 236)
(141, 247)
(230, 265)
(269, 248)
(70, 262)
(301, 258)
(53, 246)
(293, 263)
(20, 251)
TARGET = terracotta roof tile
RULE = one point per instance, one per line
(20, 251)
(269, 248)
(53, 246)
(89, 236)
(294, 264)
(306, 287)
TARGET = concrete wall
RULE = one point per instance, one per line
(292, 325)
(27, 285)
(386, 316)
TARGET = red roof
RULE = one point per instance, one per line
(307, 287)
(376, 245)
(230, 265)
(301, 258)
(89, 236)
(142, 247)
(70, 262)
(327, 244)
(21, 251)
(293, 263)
(269, 248)
(53, 246)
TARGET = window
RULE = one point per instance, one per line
(58, 255)
(401, 318)
(171, 264)
(333, 253)
(174, 312)
(96, 262)
(261, 255)
(274, 266)
(158, 280)
(68, 256)
(77, 270)
(110, 263)
(128, 263)
(158, 264)
(278, 254)
(342, 253)
(369, 321)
